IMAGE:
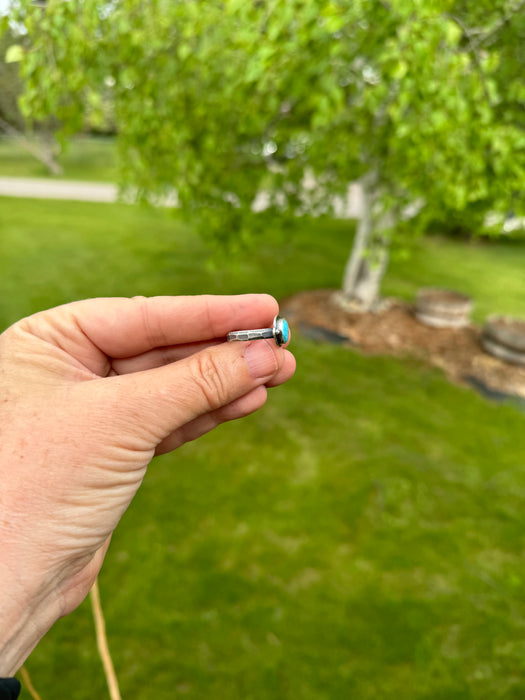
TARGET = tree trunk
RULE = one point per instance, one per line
(368, 259)
(44, 153)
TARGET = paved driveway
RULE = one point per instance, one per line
(42, 188)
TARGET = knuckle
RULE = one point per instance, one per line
(210, 381)
(152, 331)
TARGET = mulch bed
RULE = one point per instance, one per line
(394, 330)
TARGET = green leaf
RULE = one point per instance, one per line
(183, 51)
(453, 33)
(400, 70)
(14, 54)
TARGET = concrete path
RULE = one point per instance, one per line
(43, 188)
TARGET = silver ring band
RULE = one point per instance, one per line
(280, 331)
(255, 334)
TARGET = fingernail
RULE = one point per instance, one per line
(261, 360)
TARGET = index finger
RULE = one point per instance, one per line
(127, 327)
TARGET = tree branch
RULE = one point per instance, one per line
(472, 49)
(38, 153)
(499, 25)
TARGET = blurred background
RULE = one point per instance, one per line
(362, 535)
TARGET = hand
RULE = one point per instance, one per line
(89, 393)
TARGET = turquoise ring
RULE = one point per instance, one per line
(280, 331)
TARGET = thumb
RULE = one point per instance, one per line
(162, 399)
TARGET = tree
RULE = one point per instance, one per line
(224, 99)
(10, 83)
(12, 122)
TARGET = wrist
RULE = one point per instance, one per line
(25, 617)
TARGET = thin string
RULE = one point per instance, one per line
(26, 679)
(102, 643)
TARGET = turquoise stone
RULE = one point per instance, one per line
(286, 331)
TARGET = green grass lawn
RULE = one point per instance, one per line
(360, 537)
